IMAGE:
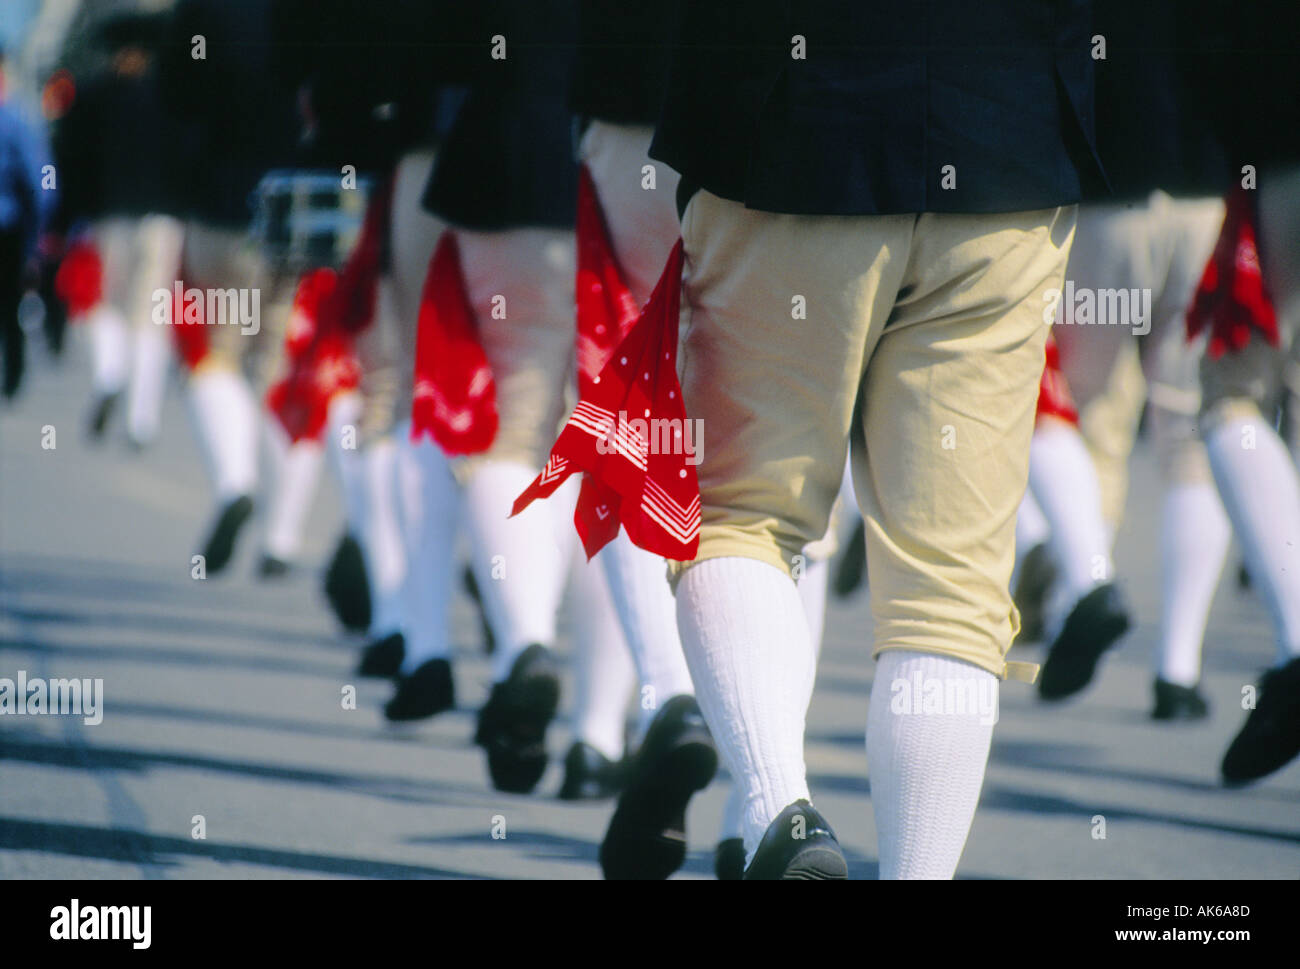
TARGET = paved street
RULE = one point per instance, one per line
(223, 699)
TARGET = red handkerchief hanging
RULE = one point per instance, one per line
(630, 432)
(455, 398)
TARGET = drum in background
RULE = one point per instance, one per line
(306, 219)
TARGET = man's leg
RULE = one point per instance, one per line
(646, 837)
(1194, 528)
(940, 465)
(159, 242)
(1260, 485)
(223, 403)
(520, 286)
(110, 331)
(776, 311)
(12, 339)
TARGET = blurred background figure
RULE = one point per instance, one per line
(117, 150)
(1139, 250)
(1250, 303)
(245, 125)
(24, 207)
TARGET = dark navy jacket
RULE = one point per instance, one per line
(1154, 128)
(120, 151)
(1247, 69)
(890, 92)
(622, 62)
(370, 82)
(506, 160)
(245, 120)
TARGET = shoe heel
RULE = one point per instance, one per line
(816, 864)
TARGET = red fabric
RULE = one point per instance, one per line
(1232, 299)
(1054, 397)
(606, 308)
(79, 280)
(606, 313)
(352, 306)
(320, 360)
(655, 496)
(191, 337)
(455, 399)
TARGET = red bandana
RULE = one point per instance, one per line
(627, 431)
(320, 360)
(1232, 299)
(606, 308)
(455, 397)
(1054, 397)
(79, 280)
(191, 336)
(352, 306)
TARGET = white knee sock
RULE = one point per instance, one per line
(812, 594)
(1194, 536)
(1064, 482)
(225, 418)
(382, 540)
(638, 584)
(293, 489)
(1261, 492)
(751, 659)
(151, 359)
(602, 662)
(926, 764)
(110, 350)
(518, 562)
(342, 446)
(431, 508)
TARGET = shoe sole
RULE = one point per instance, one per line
(645, 839)
(99, 419)
(1287, 748)
(379, 664)
(1179, 716)
(347, 587)
(221, 546)
(1073, 661)
(517, 755)
(418, 713)
(816, 864)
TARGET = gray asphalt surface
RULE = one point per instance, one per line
(223, 699)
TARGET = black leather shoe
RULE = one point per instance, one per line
(272, 568)
(347, 587)
(646, 837)
(101, 410)
(1094, 625)
(220, 546)
(383, 657)
(15, 357)
(512, 724)
(798, 846)
(428, 691)
(1037, 575)
(729, 860)
(1174, 702)
(1270, 737)
(589, 775)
